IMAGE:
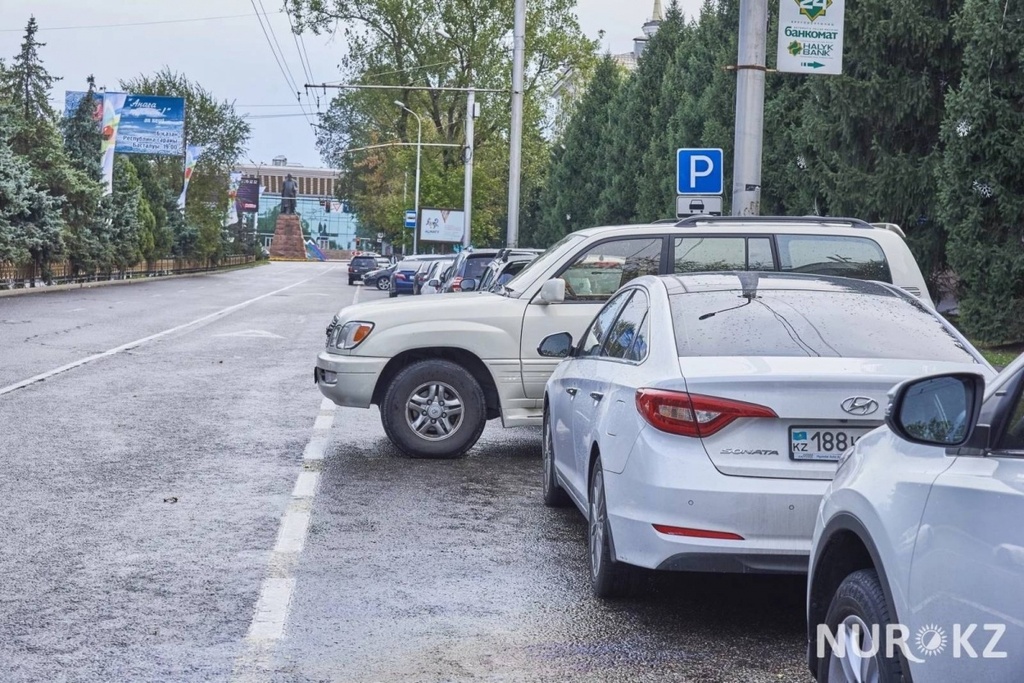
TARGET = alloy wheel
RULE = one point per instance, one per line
(434, 411)
(859, 665)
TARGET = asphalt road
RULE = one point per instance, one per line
(183, 507)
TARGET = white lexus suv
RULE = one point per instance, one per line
(440, 367)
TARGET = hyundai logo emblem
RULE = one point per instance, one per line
(860, 405)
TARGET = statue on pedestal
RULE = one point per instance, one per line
(289, 191)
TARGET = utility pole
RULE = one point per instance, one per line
(516, 137)
(419, 153)
(468, 153)
(750, 72)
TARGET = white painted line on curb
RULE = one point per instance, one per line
(145, 340)
(305, 485)
(323, 422)
(271, 609)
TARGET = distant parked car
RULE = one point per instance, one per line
(501, 270)
(360, 266)
(428, 280)
(471, 264)
(381, 279)
(402, 279)
(698, 420)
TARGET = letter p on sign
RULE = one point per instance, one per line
(699, 172)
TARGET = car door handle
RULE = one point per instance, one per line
(571, 390)
(596, 395)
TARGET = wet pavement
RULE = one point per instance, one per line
(141, 496)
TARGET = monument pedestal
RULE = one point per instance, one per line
(288, 241)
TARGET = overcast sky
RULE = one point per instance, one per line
(228, 56)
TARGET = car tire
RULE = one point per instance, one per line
(859, 600)
(351, 282)
(392, 293)
(434, 385)
(608, 578)
(554, 495)
(383, 285)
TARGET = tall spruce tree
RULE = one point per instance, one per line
(27, 82)
(873, 132)
(982, 172)
(576, 176)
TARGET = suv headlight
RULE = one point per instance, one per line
(350, 335)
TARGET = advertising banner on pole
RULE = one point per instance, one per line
(234, 181)
(192, 153)
(112, 103)
(811, 36)
(442, 225)
(150, 124)
(248, 198)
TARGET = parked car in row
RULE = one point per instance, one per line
(919, 537)
(381, 279)
(431, 280)
(698, 420)
(360, 266)
(502, 269)
(482, 350)
(471, 265)
(404, 274)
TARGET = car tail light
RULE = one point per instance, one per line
(351, 269)
(457, 284)
(399, 276)
(678, 412)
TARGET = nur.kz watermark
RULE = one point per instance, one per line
(969, 641)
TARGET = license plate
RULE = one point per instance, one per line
(823, 443)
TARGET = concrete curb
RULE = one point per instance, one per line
(135, 280)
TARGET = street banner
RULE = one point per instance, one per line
(150, 124)
(442, 225)
(192, 153)
(234, 180)
(112, 103)
(248, 198)
(811, 36)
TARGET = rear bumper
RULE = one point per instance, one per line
(681, 488)
(348, 380)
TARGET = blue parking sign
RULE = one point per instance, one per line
(699, 172)
(410, 218)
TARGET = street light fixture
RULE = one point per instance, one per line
(419, 153)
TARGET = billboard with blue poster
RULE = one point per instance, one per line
(150, 124)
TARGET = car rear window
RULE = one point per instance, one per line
(856, 257)
(476, 265)
(364, 261)
(838, 324)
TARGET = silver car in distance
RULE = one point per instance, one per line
(698, 421)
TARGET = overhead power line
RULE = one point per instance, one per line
(137, 23)
(283, 67)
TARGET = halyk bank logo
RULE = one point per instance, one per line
(963, 641)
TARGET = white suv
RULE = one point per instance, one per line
(917, 568)
(439, 368)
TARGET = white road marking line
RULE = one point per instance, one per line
(291, 537)
(315, 449)
(145, 340)
(305, 485)
(327, 404)
(323, 422)
(271, 609)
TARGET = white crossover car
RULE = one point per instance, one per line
(918, 553)
(698, 420)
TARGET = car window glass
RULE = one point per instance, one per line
(857, 257)
(600, 271)
(626, 327)
(759, 254)
(1013, 438)
(638, 351)
(476, 266)
(702, 254)
(594, 338)
(844, 322)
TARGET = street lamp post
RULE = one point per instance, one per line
(419, 153)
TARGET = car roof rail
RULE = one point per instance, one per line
(694, 221)
(891, 227)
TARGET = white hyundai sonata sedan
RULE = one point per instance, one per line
(698, 421)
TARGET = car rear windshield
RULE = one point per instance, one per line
(364, 261)
(476, 265)
(843, 324)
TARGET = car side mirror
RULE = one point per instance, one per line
(553, 291)
(434, 283)
(941, 410)
(556, 345)
(468, 285)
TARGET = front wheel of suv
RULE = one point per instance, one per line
(857, 616)
(434, 409)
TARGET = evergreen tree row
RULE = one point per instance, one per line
(52, 201)
(923, 129)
